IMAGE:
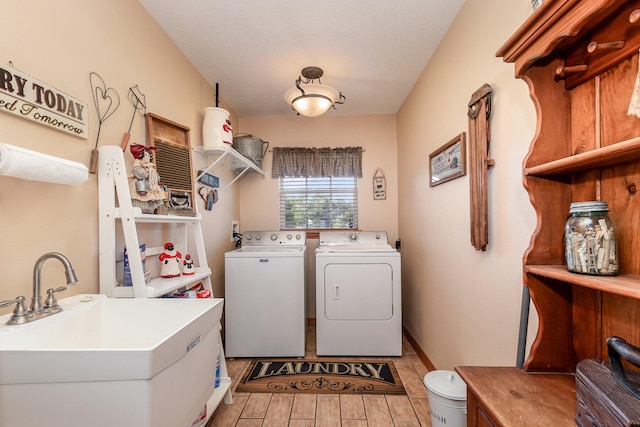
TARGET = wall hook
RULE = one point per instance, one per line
(561, 70)
(593, 46)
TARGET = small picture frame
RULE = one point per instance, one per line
(448, 162)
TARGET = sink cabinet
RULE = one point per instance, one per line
(580, 61)
(108, 362)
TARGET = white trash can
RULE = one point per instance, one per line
(447, 399)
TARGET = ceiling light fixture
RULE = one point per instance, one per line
(312, 99)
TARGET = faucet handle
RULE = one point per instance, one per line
(51, 301)
(20, 313)
(8, 302)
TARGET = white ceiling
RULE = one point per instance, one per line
(373, 51)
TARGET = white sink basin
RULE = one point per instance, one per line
(115, 361)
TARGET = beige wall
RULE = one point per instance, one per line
(463, 306)
(259, 197)
(60, 43)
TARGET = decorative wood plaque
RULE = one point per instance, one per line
(479, 164)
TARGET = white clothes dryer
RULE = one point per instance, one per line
(265, 295)
(358, 295)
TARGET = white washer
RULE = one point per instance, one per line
(265, 295)
(358, 295)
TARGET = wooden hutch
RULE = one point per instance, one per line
(580, 61)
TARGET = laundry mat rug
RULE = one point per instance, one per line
(321, 376)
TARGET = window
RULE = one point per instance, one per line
(318, 186)
(318, 202)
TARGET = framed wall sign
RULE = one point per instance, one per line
(448, 162)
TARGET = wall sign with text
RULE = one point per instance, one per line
(379, 185)
(31, 99)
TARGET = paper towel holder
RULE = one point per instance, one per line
(32, 165)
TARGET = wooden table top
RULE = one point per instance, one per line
(512, 397)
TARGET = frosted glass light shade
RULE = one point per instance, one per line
(318, 98)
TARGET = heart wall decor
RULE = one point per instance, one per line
(106, 101)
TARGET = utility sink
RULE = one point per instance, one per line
(105, 362)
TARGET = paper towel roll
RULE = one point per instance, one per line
(26, 164)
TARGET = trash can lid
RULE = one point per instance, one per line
(446, 384)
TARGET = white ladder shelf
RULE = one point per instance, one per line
(113, 183)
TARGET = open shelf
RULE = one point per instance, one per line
(623, 285)
(229, 158)
(160, 219)
(616, 154)
(217, 396)
(163, 285)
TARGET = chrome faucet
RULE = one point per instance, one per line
(38, 310)
(72, 279)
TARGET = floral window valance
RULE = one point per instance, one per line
(316, 162)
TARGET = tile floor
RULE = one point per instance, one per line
(319, 410)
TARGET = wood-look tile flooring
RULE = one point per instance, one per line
(332, 410)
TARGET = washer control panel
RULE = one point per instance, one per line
(274, 238)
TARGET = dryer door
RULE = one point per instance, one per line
(358, 291)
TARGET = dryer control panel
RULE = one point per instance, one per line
(342, 238)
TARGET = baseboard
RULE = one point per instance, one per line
(421, 354)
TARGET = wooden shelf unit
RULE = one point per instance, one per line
(586, 148)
